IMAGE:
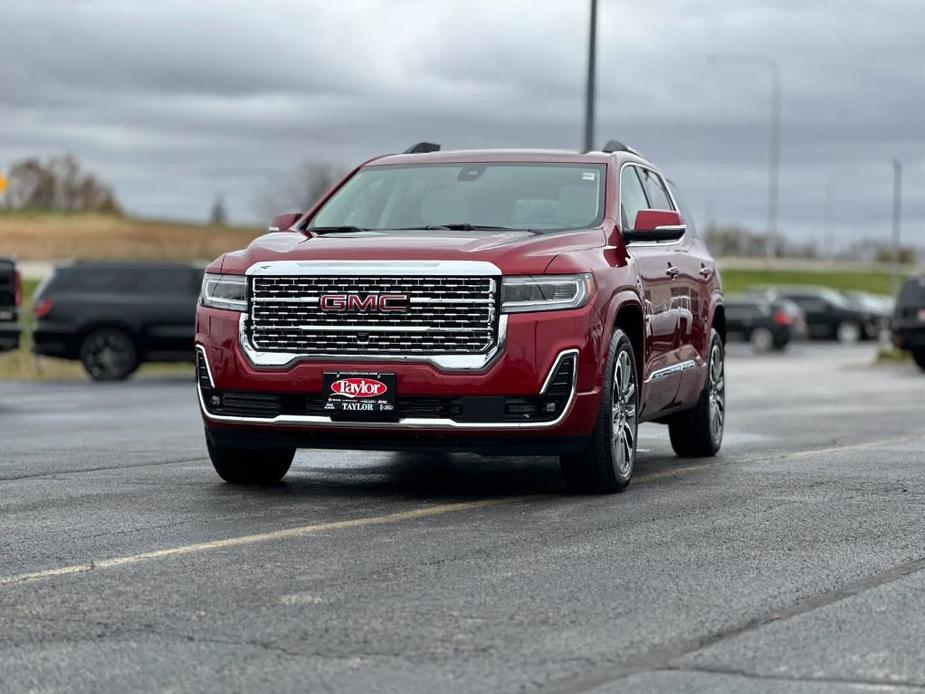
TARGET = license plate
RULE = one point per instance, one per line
(360, 395)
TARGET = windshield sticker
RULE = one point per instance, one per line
(589, 175)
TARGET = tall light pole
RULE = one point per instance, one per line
(589, 89)
(774, 147)
(828, 238)
(897, 216)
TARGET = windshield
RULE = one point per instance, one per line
(539, 197)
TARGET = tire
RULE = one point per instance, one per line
(918, 356)
(245, 466)
(698, 433)
(606, 464)
(108, 354)
(762, 339)
(848, 332)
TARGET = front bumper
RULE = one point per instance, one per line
(519, 376)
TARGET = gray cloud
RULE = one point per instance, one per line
(174, 101)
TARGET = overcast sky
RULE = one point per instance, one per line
(173, 101)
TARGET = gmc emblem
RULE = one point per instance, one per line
(384, 303)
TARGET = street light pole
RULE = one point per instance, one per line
(774, 145)
(897, 215)
(590, 88)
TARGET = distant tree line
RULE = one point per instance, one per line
(57, 184)
(737, 241)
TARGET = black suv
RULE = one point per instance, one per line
(10, 299)
(767, 325)
(115, 316)
(828, 313)
(909, 320)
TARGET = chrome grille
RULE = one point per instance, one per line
(445, 315)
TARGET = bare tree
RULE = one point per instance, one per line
(59, 185)
(300, 190)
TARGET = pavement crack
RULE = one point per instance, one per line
(735, 672)
(661, 658)
(55, 474)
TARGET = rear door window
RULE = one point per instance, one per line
(90, 280)
(159, 281)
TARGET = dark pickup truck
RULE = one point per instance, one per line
(10, 300)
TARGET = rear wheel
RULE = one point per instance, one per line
(698, 433)
(762, 339)
(919, 357)
(109, 354)
(245, 466)
(606, 465)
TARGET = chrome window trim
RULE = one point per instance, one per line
(412, 422)
(674, 202)
(449, 363)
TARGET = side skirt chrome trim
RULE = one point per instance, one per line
(411, 422)
(659, 374)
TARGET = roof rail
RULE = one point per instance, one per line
(422, 148)
(617, 146)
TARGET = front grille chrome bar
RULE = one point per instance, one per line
(453, 319)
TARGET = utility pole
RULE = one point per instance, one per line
(897, 215)
(828, 238)
(589, 92)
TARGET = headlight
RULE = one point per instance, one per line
(224, 291)
(545, 292)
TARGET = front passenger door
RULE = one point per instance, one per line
(661, 316)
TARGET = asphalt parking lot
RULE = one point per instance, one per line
(793, 562)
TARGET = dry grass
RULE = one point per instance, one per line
(47, 236)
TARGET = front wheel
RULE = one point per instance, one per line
(848, 332)
(606, 464)
(243, 466)
(698, 433)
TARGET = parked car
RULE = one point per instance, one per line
(879, 309)
(829, 316)
(113, 317)
(762, 323)
(10, 301)
(499, 301)
(909, 320)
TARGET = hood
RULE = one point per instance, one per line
(514, 252)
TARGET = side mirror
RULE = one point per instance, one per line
(655, 225)
(282, 222)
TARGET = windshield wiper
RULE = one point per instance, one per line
(346, 229)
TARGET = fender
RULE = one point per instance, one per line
(623, 296)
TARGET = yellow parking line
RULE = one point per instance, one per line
(286, 534)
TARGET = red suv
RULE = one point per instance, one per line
(505, 302)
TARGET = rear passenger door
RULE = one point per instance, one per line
(165, 301)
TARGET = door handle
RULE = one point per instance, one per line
(672, 271)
